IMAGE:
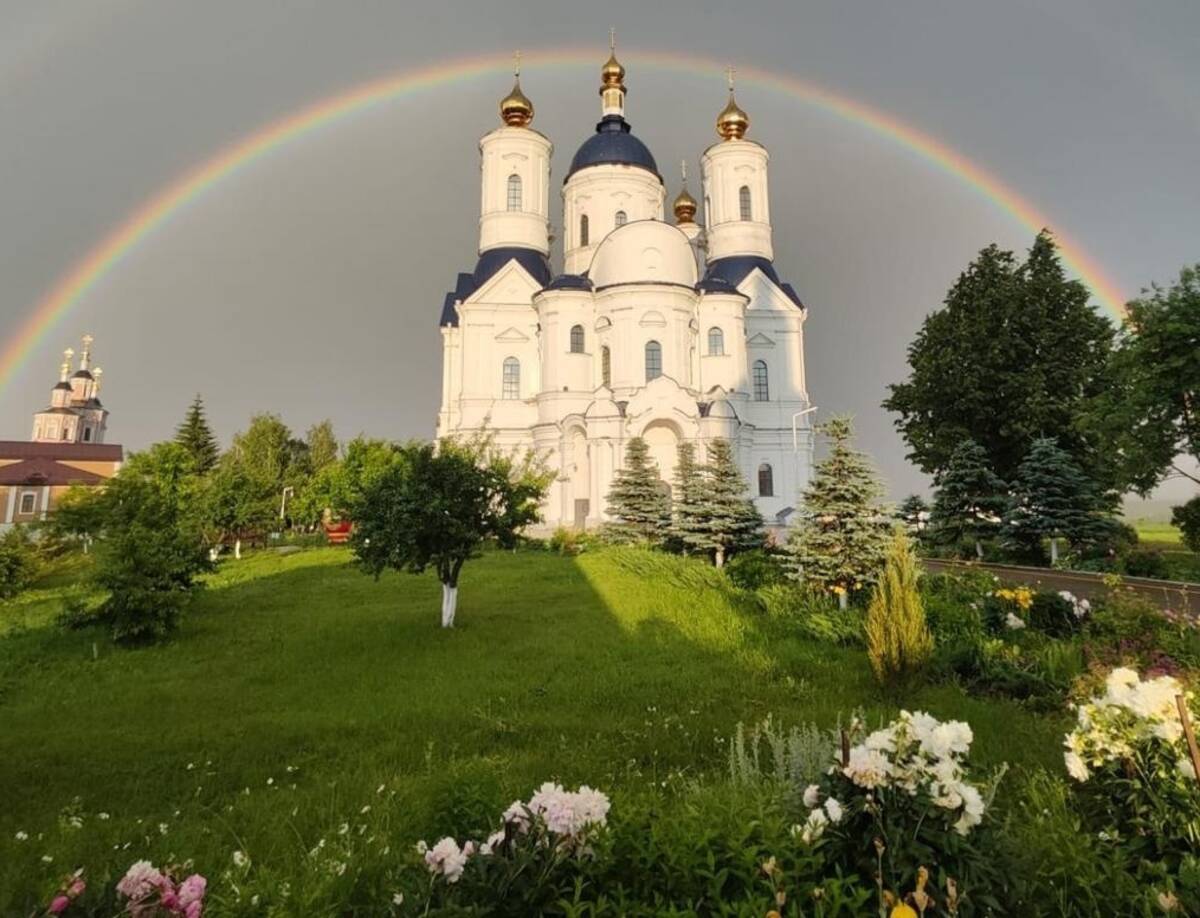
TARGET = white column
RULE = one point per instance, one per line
(45, 500)
(11, 509)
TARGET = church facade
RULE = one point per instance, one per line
(665, 331)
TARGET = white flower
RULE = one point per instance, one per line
(398, 898)
(867, 768)
(1076, 767)
(240, 860)
(814, 827)
(1013, 622)
(1187, 769)
(812, 795)
(22, 835)
(447, 859)
(833, 810)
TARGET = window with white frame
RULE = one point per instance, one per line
(514, 192)
(654, 367)
(28, 502)
(762, 387)
(716, 342)
(747, 212)
(512, 378)
(577, 341)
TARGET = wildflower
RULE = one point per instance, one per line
(22, 835)
(398, 898)
(1168, 901)
(1076, 767)
(58, 905)
(103, 817)
(903, 910)
(240, 860)
(1014, 623)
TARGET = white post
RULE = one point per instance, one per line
(1053, 552)
(795, 434)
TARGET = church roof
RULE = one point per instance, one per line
(489, 264)
(45, 471)
(613, 144)
(82, 374)
(67, 452)
(731, 271)
(569, 282)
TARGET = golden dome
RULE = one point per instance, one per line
(685, 207)
(612, 74)
(732, 122)
(515, 109)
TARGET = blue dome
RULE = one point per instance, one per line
(613, 144)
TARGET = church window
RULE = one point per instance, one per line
(716, 342)
(583, 230)
(744, 202)
(621, 218)
(87, 434)
(576, 339)
(653, 360)
(65, 432)
(28, 502)
(606, 366)
(766, 481)
(514, 192)
(512, 378)
(762, 390)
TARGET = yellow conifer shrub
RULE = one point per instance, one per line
(898, 640)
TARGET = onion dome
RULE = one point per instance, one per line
(612, 74)
(515, 109)
(685, 205)
(732, 122)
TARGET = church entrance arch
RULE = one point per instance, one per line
(662, 438)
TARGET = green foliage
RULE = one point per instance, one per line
(913, 514)
(195, 436)
(755, 569)
(1015, 352)
(237, 505)
(898, 640)
(688, 531)
(18, 562)
(322, 446)
(1145, 562)
(1146, 413)
(839, 539)
(970, 499)
(336, 489)
(813, 614)
(638, 502)
(149, 550)
(792, 759)
(1127, 629)
(1052, 499)
(1187, 518)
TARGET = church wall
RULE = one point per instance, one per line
(599, 192)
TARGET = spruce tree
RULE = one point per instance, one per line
(913, 515)
(970, 500)
(731, 521)
(1053, 499)
(638, 503)
(840, 536)
(687, 501)
(197, 438)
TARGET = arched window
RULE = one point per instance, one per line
(576, 339)
(606, 366)
(762, 389)
(621, 219)
(744, 202)
(766, 481)
(653, 360)
(583, 230)
(514, 192)
(512, 378)
(716, 342)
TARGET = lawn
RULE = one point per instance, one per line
(299, 691)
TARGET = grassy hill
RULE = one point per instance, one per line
(299, 692)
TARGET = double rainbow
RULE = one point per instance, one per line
(158, 211)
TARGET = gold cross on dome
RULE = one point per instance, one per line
(683, 169)
(517, 64)
(729, 72)
(612, 39)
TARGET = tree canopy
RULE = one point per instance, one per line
(195, 436)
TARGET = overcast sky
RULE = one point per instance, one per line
(310, 283)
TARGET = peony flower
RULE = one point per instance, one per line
(812, 796)
(141, 879)
(1076, 767)
(59, 905)
(834, 811)
(814, 827)
(447, 859)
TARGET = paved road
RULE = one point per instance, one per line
(1167, 594)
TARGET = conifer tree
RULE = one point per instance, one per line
(730, 520)
(638, 504)
(839, 538)
(899, 643)
(687, 499)
(913, 514)
(1053, 499)
(970, 500)
(195, 436)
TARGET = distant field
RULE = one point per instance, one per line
(1156, 532)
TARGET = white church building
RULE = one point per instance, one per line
(668, 332)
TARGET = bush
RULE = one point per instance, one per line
(814, 613)
(18, 562)
(569, 542)
(898, 640)
(1126, 629)
(1145, 562)
(1187, 518)
(1053, 614)
(753, 570)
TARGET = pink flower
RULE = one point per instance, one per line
(140, 880)
(191, 895)
(59, 905)
(75, 890)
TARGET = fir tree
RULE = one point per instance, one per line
(638, 504)
(840, 536)
(970, 499)
(1053, 499)
(730, 521)
(195, 436)
(687, 499)
(913, 515)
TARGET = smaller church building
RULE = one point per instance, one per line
(66, 448)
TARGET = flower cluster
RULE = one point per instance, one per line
(153, 893)
(1021, 597)
(916, 754)
(70, 889)
(553, 816)
(1080, 607)
(1130, 715)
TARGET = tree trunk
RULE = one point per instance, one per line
(237, 548)
(1053, 552)
(844, 600)
(978, 549)
(449, 604)
(720, 559)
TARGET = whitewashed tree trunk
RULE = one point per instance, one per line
(237, 549)
(843, 600)
(1053, 552)
(720, 559)
(449, 604)
(978, 549)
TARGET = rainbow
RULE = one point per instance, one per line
(170, 201)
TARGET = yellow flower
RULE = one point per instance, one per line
(904, 910)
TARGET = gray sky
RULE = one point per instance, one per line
(310, 283)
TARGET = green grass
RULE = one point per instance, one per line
(297, 686)
(1157, 533)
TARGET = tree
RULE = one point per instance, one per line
(687, 504)
(337, 487)
(437, 504)
(913, 514)
(899, 643)
(1187, 518)
(1015, 352)
(1053, 499)
(195, 436)
(1150, 412)
(729, 520)
(271, 460)
(149, 550)
(322, 446)
(839, 538)
(637, 502)
(18, 561)
(236, 504)
(970, 500)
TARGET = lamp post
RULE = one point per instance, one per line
(795, 435)
(287, 492)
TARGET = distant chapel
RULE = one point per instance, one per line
(668, 332)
